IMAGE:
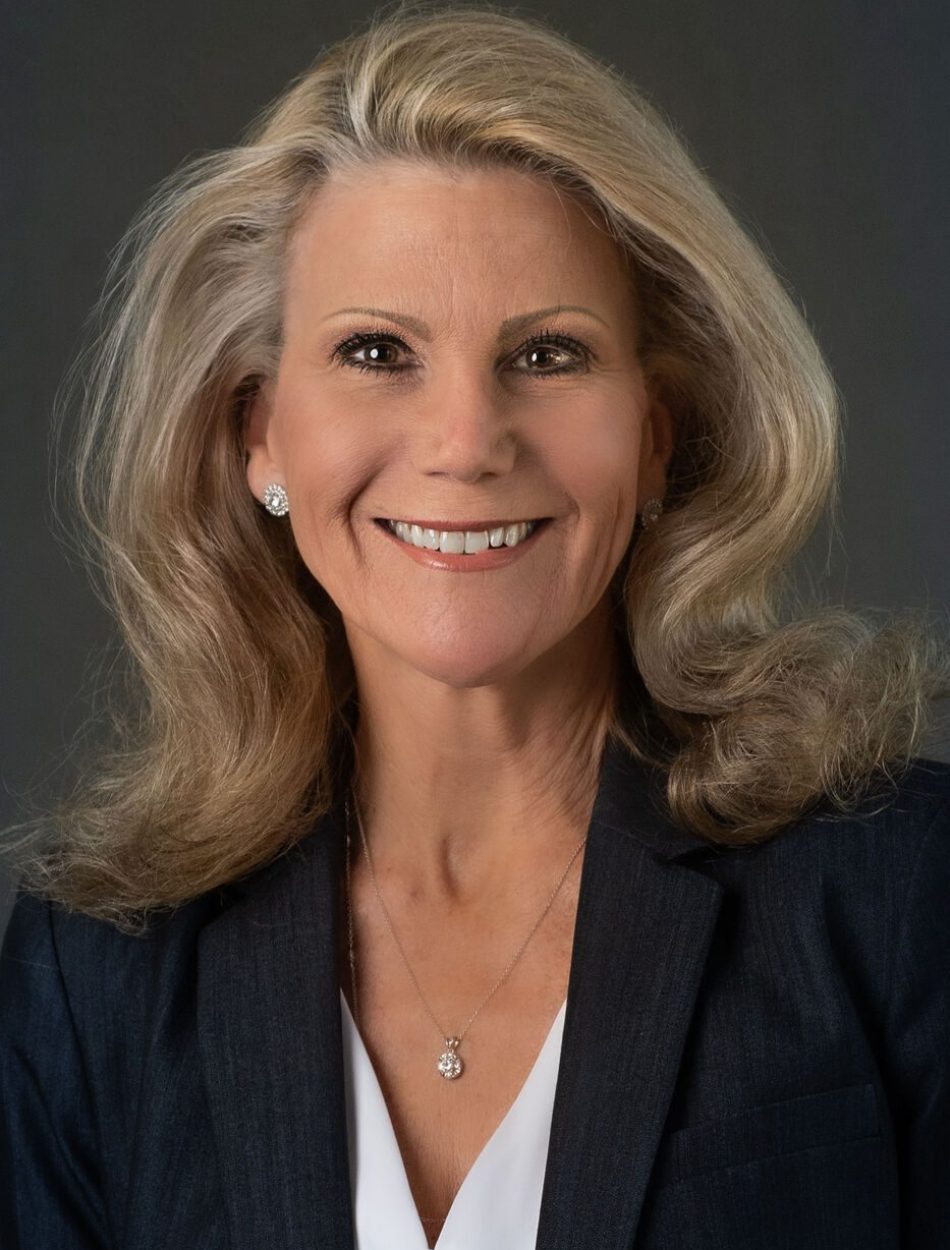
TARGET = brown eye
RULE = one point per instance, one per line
(544, 348)
(378, 354)
(379, 351)
(543, 354)
(544, 351)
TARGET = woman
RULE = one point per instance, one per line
(488, 863)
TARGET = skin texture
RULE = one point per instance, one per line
(483, 695)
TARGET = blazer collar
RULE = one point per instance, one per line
(270, 1028)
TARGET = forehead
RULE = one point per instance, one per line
(400, 228)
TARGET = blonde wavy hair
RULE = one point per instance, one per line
(225, 748)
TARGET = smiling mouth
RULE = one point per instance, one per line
(462, 541)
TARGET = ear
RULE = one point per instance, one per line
(656, 450)
(263, 465)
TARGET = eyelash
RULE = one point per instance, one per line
(545, 338)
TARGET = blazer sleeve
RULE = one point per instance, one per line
(917, 1044)
(50, 1193)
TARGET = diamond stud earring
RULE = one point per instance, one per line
(275, 500)
(650, 512)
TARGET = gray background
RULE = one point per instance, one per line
(824, 125)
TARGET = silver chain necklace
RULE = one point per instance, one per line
(449, 1063)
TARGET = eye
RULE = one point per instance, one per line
(376, 345)
(380, 349)
(547, 343)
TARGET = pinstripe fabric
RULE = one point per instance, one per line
(754, 1051)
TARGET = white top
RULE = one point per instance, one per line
(499, 1201)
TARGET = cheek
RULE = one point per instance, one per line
(327, 457)
(598, 463)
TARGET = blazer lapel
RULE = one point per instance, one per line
(642, 935)
(270, 1030)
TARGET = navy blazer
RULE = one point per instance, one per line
(754, 1057)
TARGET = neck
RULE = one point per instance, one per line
(462, 792)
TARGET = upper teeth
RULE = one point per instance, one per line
(457, 542)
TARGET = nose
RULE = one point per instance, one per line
(466, 432)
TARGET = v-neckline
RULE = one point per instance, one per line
(401, 1207)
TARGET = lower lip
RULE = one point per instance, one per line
(490, 558)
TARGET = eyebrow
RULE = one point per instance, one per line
(512, 324)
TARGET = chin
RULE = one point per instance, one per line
(467, 670)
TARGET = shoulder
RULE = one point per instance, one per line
(97, 979)
(895, 821)
(880, 837)
(891, 855)
(82, 1007)
(915, 801)
(899, 823)
(863, 894)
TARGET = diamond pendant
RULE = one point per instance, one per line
(450, 1065)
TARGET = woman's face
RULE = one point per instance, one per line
(447, 408)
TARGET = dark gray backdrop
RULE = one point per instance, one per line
(822, 122)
